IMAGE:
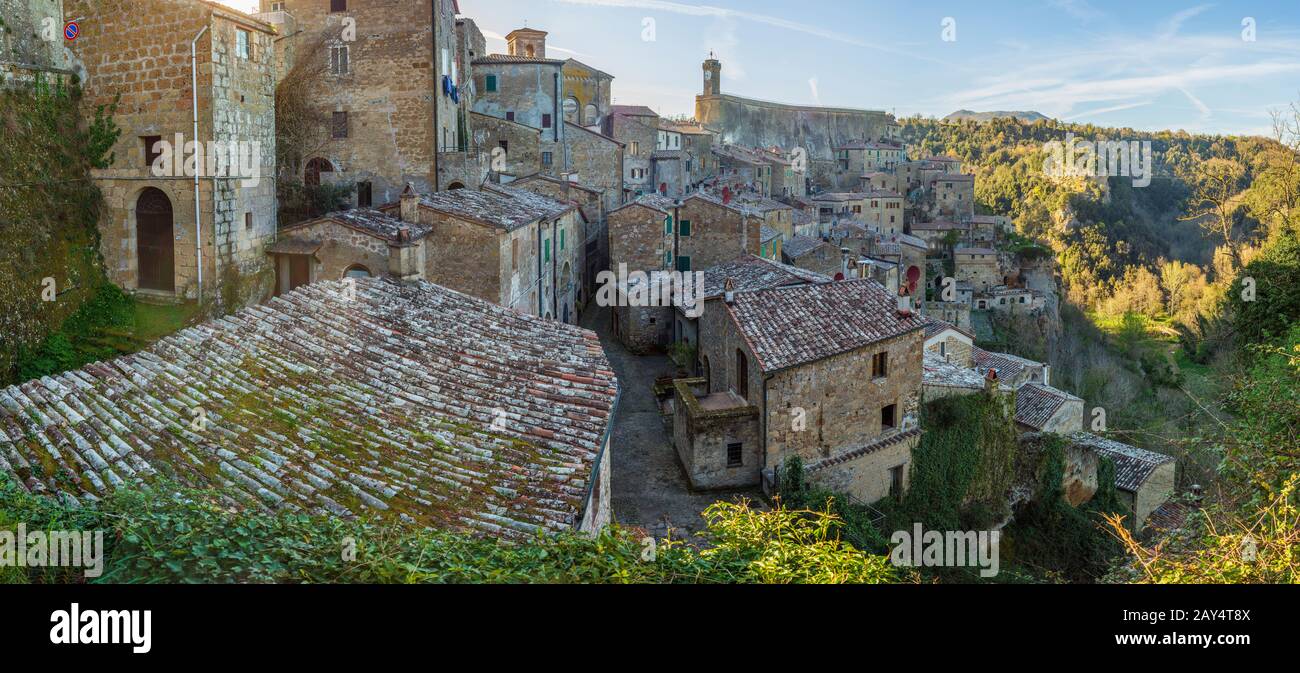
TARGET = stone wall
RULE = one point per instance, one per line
(718, 233)
(341, 248)
(151, 73)
(701, 438)
(818, 130)
(597, 162)
(33, 34)
(392, 137)
(636, 238)
(644, 329)
(866, 477)
(522, 151)
(527, 90)
(841, 402)
(1153, 493)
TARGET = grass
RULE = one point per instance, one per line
(155, 321)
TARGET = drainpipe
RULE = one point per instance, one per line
(194, 106)
(555, 280)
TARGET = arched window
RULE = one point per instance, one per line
(357, 271)
(590, 115)
(455, 185)
(316, 166)
(571, 110)
(704, 372)
(529, 51)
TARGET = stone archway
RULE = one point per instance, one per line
(316, 166)
(155, 241)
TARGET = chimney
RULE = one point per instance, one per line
(410, 205)
(405, 257)
(904, 305)
(991, 381)
(729, 291)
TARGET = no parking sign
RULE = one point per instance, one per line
(72, 30)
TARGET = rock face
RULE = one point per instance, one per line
(1078, 475)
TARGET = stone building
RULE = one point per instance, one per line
(587, 94)
(936, 234)
(525, 86)
(755, 123)
(769, 244)
(155, 208)
(949, 342)
(978, 266)
(1017, 300)
(593, 255)
(595, 161)
(24, 49)
(699, 163)
(882, 181)
(746, 273)
(513, 150)
(884, 211)
(637, 128)
(385, 132)
(813, 254)
(860, 157)
(711, 230)
(402, 402)
(767, 363)
(1011, 370)
(742, 170)
(505, 245)
(1042, 408)
(1144, 480)
(954, 196)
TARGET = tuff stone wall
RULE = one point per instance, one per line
(150, 71)
(841, 401)
(636, 238)
(701, 438)
(522, 154)
(755, 123)
(718, 234)
(597, 162)
(23, 40)
(867, 477)
(342, 247)
(392, 137)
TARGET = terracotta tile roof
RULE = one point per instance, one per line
(500, 59)
(751, 272)
(1036, 404)
(869, 448)
(632, 111)
(1133, 466)
(653, 200)
(373, 398)
(798, 246)
(935, 326)
(294, 246)
(1008, 366)
(498, 205)
(1170, 516)
(379, 223)
(766, 233)
(786, 327)
(838, 197)
(761, 204)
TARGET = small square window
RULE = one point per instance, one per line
(547, 158)
(735, 454)
(338, 5)
(546, 121)
(339, 128)
(364, 195)
(880, 365)
(490, 85)
(887, 417)
(510, 116)
(248, 220)
(340, 60)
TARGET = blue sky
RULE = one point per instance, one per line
(1145, 64)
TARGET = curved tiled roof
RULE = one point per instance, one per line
(790, 326)
(1036, 404)
(751, 272)
(415, 402)
(1133, 466)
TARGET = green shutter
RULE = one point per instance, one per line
(684, 263)
(685, 228)
(561, 240)
(547, 247)
(668, 224)
(491, 83)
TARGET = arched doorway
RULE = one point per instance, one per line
(155, 241)
(704, 373)
(455, 185)
(316, 166)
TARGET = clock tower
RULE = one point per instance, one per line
(712, 77)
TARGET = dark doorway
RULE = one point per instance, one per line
(316, 166)
(155, 241)
(299, 271)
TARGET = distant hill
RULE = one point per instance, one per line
(968, 115)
